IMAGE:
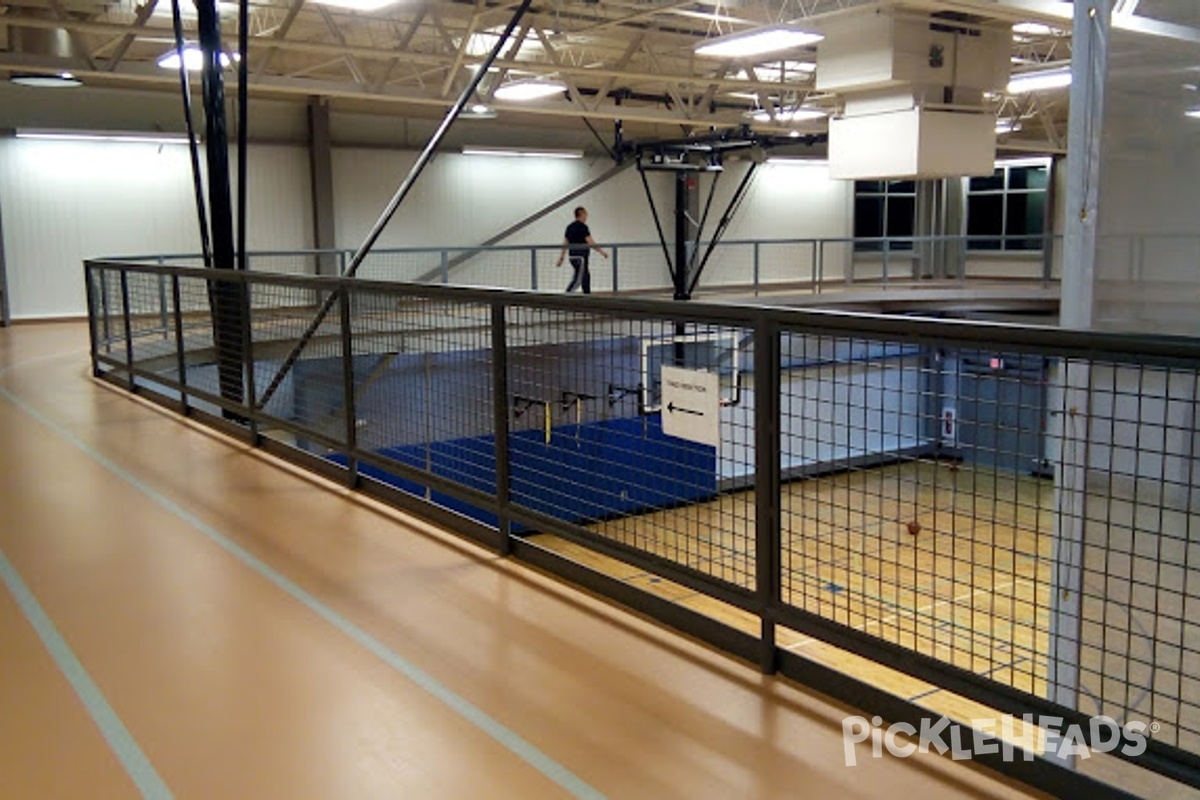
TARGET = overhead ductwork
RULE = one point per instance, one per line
(38, 41)
(39, 48)
(913, 90)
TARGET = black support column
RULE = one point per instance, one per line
(228, 308)
(4, 308)
(686, 205)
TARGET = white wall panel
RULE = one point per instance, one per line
(64, 201)
(467, 199)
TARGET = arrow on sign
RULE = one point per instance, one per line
(673, 408)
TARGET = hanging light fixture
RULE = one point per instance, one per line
(193, 58)
(757, 42)
(1040, 80)
(530, 89)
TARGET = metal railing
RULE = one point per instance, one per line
(1007, 513)
(751, 265)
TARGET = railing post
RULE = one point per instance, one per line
(756, 267)
(180, 360)
(248, 360)
(348, 403)
(128, 329)
(820, 265)
(444, 267)
(107, 335)
(616, 251)
(533, 276)
(767, 519)
(162, 299)
(813, 273)
(500, 425)
(963, 252)
(341, 262)
(1047, 257)
(1137, 257)
(90, 294)
(887, 252)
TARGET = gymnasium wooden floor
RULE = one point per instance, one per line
(968, 584)
(184, 616)
(971, 587)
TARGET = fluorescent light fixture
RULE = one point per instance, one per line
(1194, 113)
(357, 5)
(1004, 126)
(98, 136)
(479, 111)
(753, 43)
(1039, 81)
(801, 114)
(63, 80)
(1035, 29)
(519, 152)
(193, 58)
(531, 89)
(482, 43)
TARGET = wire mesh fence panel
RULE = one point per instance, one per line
(729, 265)
(298, 263)
(507, 268)
(643, 267)
(295, 335)
(1130, 565)
(423, 394)
(787, 263)
(407, 266)
(915, 516)
(197, 336)
(835, 261)
(557, 270)
(589, 445)
(151, 321)
(108, 312)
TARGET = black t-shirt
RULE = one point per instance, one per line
(577, 234)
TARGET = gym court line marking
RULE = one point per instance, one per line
(503, 735)
(126, 748)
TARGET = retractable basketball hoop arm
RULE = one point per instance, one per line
(680, 157)
(388, 212)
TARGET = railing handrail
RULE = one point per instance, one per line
(804, 240)
(985, 334)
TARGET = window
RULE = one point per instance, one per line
(884, 209)
(1008, 208)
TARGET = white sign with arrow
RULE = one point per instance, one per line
(691, 401)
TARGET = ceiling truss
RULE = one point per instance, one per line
(631, 60)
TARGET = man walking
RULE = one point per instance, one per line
(578, 240)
